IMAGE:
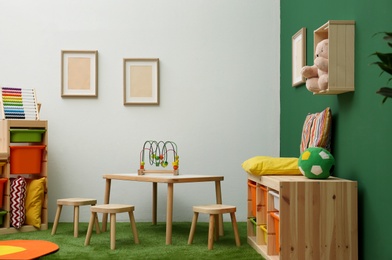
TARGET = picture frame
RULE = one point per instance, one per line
(298, 56)
(79, 73)
(141, 81)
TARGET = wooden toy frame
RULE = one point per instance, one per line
(18, 103)
(158, 156)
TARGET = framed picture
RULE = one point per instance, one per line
(79, 73)
(141, 81)
(298, 56)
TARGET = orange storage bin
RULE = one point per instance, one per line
(2, 182)
(265, 193)
(252, 186)
(276, 218)
(26, 159)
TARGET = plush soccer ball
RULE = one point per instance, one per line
(315, 163)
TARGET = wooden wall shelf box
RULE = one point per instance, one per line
(317, 218)
(6, 127)
(341, 35)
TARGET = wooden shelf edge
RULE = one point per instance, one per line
(27, 123)
(261, 249)
(24, 228)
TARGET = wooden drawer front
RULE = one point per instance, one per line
(318, 220)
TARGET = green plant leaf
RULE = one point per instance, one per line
(388, 36)
(386, 92)
(384, 57)
(385, 64)
(385, 67)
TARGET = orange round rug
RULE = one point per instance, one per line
(26, 249)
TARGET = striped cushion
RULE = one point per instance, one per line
(316, 131)
(18, 196)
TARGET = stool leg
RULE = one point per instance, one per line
(76, 221)
(211, 232)
(235, 228)
(193, 227)
(133, 226)
(97, 229)
(112, 231)
(56, 219)
(216, 229)
(90, 228)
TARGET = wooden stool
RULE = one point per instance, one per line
(112, 209)
(214, 210)
(76, 202)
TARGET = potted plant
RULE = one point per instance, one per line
(385, 64)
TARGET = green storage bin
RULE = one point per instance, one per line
(253, 221)
(26, 135)
(2, 214)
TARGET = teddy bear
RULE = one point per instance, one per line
(317, 74)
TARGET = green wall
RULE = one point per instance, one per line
(362, 125)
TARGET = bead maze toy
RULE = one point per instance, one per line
(158, 155)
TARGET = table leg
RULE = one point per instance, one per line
(219, 201)
(154, 202)
(169, 213)
(106, 201)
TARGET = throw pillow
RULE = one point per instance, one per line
(17, 197)
(316, 131)
(267, 165)
(34, 201)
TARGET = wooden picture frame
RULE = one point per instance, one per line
(298, 56)
(79, 73)
(141, 81)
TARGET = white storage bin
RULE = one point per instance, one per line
(276, 199)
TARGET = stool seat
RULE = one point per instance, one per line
(112, 209)
(75, 202)
(214, 210)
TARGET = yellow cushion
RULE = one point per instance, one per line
(34, 201)
(267, 165)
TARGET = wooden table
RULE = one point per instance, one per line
(170, 179)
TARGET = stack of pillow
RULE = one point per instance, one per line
(27, 198)
(316, 132)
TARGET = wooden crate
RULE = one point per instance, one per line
(5, 141)
(341, 35)
(318, 219)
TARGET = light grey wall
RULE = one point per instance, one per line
(219, 79)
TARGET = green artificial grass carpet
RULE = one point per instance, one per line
(152, 242)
